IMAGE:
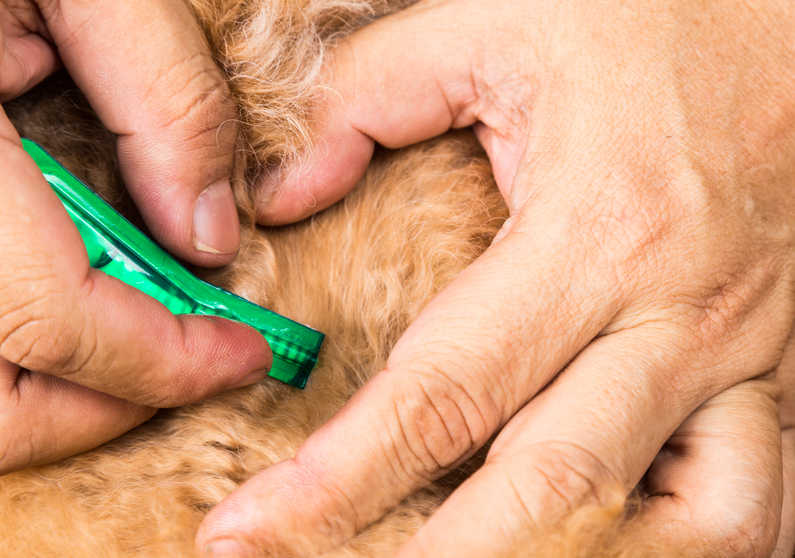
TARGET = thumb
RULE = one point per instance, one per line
(403, 79)
(148, 72)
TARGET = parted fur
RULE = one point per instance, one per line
(359, 271)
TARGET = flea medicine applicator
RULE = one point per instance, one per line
(118, 248)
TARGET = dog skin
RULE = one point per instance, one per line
(359, 271)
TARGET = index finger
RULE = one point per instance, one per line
(148, 73)
(474, 356)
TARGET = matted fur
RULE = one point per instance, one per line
(360, 271)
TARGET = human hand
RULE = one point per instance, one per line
(644, 281)
(83, 357)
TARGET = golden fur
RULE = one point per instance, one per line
(360, 271)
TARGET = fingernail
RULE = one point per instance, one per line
(215, 226)
(250, 379)
(227, 548)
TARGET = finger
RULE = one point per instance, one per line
(43, 419)
(59, 316)
(26, 57)
(460, 370)
(371, 97)
(552, 458)
(785, 546)
(716, 488)
(147, 71)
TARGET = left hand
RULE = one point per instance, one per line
(644, 281)
(83, 356)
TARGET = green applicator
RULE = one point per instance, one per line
(118, 248)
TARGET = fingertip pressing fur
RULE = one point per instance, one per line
(360, 271)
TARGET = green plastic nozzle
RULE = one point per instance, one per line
(118, 248)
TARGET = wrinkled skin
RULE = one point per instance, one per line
(645, 282)
(84, 358)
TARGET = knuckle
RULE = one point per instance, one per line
(32, 337)
(153, 392)
(200, 106)
(150, 389)
(45, 332)
(562, 477)
(750, 535)
(16, 451)
(435, 424)
(629, 219)
(76, 18)
(720, 306)
(175, 383)
(747, 311)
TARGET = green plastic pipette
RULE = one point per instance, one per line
(118, 248)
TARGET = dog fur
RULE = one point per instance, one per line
(359, 271)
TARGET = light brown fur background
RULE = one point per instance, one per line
(360, 271)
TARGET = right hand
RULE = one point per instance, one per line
(84, 357)
(639, 298)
